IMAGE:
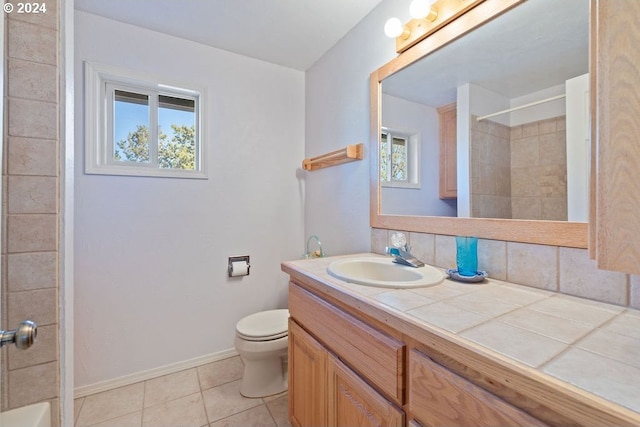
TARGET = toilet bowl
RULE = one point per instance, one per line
(262, 343)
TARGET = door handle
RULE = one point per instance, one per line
(23, 337)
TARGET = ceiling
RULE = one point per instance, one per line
(291, 33)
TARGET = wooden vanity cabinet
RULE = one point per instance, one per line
(439, 397)
(342, 372)
(307, 379)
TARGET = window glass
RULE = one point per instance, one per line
(131, 127)
(384, 157)
(399, 159)
(176, 133)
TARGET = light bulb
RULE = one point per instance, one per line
(420, 9)
(393, 28)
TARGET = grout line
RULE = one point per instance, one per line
(275, 422)
(77, 415)
(558, 272)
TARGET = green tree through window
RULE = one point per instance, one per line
(176, 153)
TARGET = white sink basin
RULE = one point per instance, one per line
(384, 273)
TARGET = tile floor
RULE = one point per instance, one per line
(205, 396)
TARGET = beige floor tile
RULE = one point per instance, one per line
(279, 409)
(402, 300)
(567, 331)
(255, 417)
(170, 387)
(220, 372)
(184, 412)
(598, 375)
(268, 399)
(77, 405)
(526, 346)
(130, 420)
(226, 400)
(111, 404)
(447, 317)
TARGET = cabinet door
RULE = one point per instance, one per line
(353, 403)
(616, 156)
(438, 397)
(307, 379)
(447, 120)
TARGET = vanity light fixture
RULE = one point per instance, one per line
(427, 17)
(419, 9)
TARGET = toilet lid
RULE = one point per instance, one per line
(263, 326)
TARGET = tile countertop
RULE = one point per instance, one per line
(591, 345)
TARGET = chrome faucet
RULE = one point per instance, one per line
(403, 256)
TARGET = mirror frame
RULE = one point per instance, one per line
(555, 233)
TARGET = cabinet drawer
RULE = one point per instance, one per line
(374, 355)
(353, 402)
(439, 397)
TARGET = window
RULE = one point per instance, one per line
(399, 159)
(138, 126)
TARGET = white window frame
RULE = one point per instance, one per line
(100, 84)
(413, 180)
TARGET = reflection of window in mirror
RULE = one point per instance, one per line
(399, 159)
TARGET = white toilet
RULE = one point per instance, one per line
(262, 342)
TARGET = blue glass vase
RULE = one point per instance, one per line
(467, 255)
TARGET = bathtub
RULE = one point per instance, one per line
(36, 415)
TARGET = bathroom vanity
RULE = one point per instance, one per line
(365, 356)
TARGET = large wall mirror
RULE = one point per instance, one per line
(483, 128)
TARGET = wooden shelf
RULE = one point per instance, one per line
(349, 153)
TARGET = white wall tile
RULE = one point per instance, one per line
(579, 276)
(532, 265)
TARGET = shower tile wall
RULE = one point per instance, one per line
(519, 172)
(30, 209)
(490, 170)
(539, 170)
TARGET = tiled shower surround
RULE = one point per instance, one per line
(559, 269)
(519, 172)
(30, 207)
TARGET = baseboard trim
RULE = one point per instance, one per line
(87, 390)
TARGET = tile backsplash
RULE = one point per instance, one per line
(558, 269)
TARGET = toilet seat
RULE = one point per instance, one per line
(264, 326)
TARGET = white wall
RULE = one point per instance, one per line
(151, 287)
(337, 114)
(578, 147)
(414, 118)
